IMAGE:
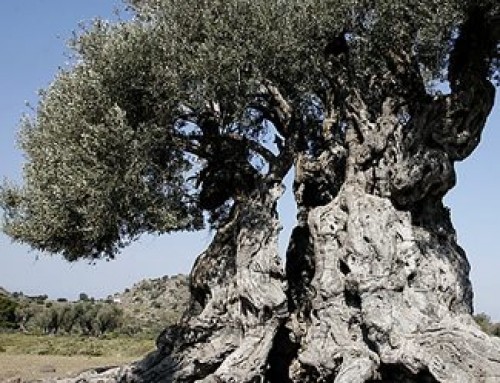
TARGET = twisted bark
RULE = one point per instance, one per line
(388, 296)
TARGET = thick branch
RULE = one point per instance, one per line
(253, 146)
(187, 143)
(369, 138)
(472, 96)
(278, 111)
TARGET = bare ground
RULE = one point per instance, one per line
(25, 368)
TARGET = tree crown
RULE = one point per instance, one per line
(118, 140)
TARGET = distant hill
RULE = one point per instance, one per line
(146, 307)
(153, 303)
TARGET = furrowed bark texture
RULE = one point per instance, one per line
(387, 297)
(237, 305)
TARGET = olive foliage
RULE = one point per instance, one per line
(115, 147)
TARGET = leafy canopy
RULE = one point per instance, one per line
(114, 148)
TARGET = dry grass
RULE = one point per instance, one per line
(31, 367)
(73, 345)
(30, 357)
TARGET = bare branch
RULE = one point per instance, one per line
(252, 145)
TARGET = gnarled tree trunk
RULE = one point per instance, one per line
(238, 303)
(376, 287)
(388, 296)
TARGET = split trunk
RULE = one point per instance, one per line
(375, 288)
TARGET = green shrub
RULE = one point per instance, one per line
(485, 323)
(8, 312)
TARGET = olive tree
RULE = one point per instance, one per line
(204, 106)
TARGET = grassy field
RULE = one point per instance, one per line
(32, 367)
(30, 357)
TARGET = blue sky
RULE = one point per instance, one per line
(32, 47)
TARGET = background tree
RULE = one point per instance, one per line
(68, 317)
(109, 318)
(86, 313)
(205, 106)
(8, 308)
(83, 297)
